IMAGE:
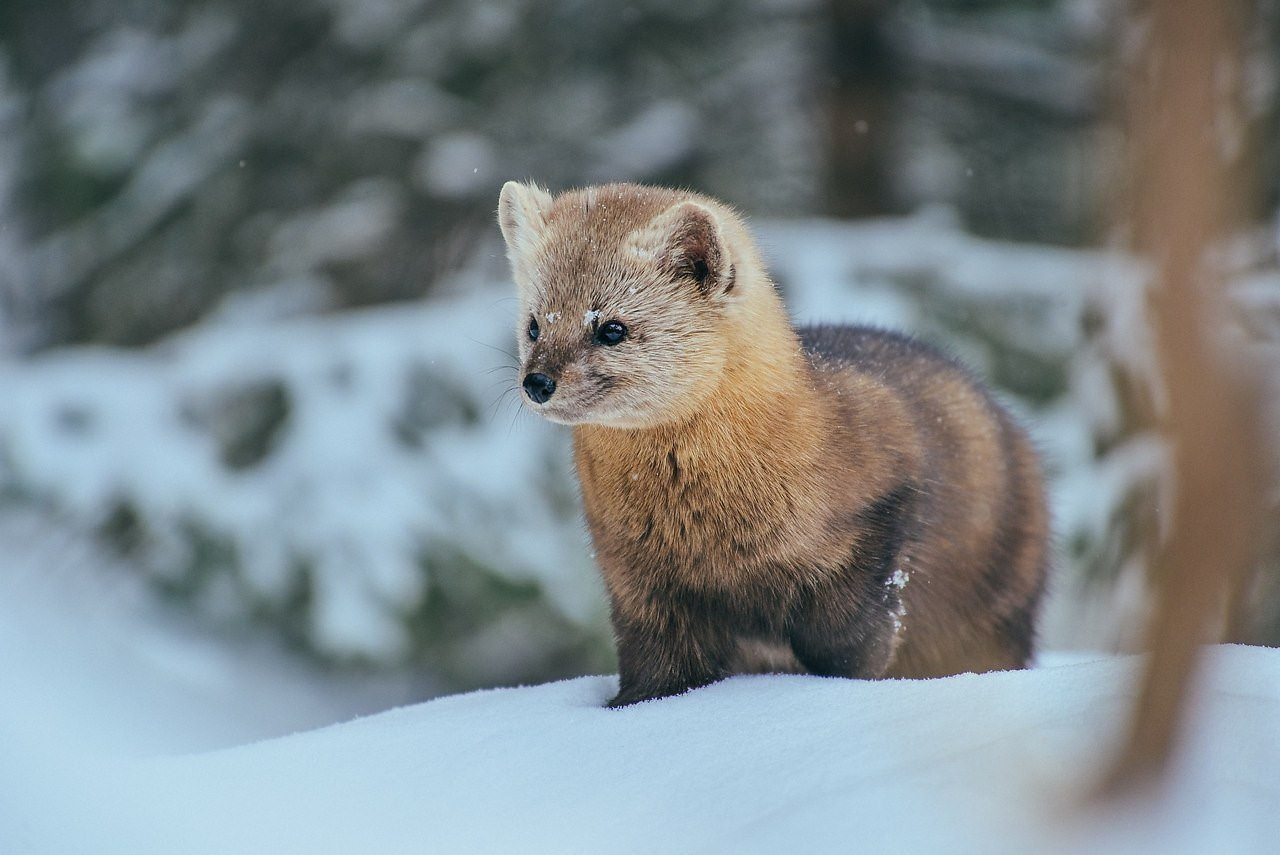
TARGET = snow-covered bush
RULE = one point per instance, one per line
(355, 478)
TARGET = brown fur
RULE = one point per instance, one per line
(842, 500)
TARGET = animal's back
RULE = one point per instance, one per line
(972, 573)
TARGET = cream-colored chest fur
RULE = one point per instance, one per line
(711, 517)
(747, 488)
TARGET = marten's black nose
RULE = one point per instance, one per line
(539, 387)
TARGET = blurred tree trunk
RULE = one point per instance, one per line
(860, 76)
(1184, 200)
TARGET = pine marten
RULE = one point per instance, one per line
(838, 500)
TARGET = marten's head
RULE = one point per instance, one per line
(627, 298)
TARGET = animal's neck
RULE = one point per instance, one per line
(765, 407)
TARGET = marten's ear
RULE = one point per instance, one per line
(686, 241)
(522, 215)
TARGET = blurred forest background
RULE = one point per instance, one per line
(253, 303)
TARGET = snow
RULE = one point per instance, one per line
(987, 763)
(92, 656)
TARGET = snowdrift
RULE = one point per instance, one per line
(973, 763)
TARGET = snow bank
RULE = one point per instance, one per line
(91, 659)
(975, 763)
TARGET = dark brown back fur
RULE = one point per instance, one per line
(983, 572)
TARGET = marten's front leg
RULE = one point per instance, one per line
(845, 626)
(667, 651)
(846, 629)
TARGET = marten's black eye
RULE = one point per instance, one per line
(533, 329)
(610, 333)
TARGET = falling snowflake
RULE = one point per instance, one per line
(898, 614)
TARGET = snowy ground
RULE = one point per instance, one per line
(88, 651)
(121, 732)
(986, 763)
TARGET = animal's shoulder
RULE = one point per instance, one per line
(871, 349)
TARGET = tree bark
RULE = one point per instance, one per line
(1183, 201)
